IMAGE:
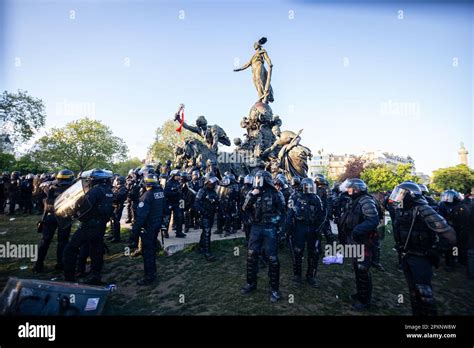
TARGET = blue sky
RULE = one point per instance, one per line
(352, 74)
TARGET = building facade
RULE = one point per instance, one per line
(334, 165)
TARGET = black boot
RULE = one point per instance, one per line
(252, 264)
(274, 275)
(207, 244)
(425, 302)
(311, 272)
(363, 285)
(297, 267)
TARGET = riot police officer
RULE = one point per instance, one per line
(304, 219)
(195, 184)
(206, 204)
(421, 233)
(282, 185)
(322, 191)
(129, 182)
(13, 192)
(359, 223)
(449, 206)
(175, 202)
(147, 224)
(48, 225)
(188, 196)
(426, 193)
(246, 217)
(93, 218)
(26, 194)
(295, 183)
(266, 206)
(468, 221)
(227, 193)
(120, 195)
(4, 183)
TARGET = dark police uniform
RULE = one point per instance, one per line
(246, 217)
(120, 195)
(49, 225)
(206, 204)
(304, 219)
(91, 231)
(174, 202)
(417, 231)
(360, 222)
(266, 210)
(147, 224)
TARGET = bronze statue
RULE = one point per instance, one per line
(212, 134)
(261, 78)
(264, 145)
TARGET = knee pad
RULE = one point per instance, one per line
(252, 254)
(361, 268)
(274, 260)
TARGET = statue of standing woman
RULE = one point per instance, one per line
(261, 78)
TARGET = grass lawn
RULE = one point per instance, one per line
(213, 288)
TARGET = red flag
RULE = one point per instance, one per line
(181, 121)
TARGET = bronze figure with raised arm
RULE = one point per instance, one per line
(261, 78)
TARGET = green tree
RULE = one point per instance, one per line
(21, 115)
(80, 145)
(459, 178)
(381, 177)
(122, 168)
(29, 164)
(7, 162)
(166, 139)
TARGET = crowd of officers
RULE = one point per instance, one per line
(272, 212)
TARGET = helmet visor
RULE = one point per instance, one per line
(398, 194)
(447, 197)
(308, 188)
(344, 185)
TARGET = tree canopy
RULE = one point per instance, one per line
(459, 178)
(381, 177)
(80, 145)
(21, 115)
(166, 139)
(122, 168)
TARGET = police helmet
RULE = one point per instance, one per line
(356, 186)
(261, 178)
(210, 179)
(319, 179)
(97, 176)
(248, 179)
(151, 180)
(406, 194)
(280, 180)
(65, 177)
(450, 196)
(308, 186)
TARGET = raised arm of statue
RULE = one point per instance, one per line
(245, 66)
(193, 129)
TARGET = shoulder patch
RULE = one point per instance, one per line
(141, 205)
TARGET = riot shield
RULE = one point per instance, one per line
(71, 204)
